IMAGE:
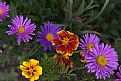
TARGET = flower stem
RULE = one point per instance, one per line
(104, 6)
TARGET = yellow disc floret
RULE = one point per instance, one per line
(1, 12)
(49, 37)
(65, 41)
(21, 29)
(101, 60)
(89, 46)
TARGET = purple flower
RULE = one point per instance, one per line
(22, 28)
(118, 74)
(102, 61)
(88, 41)
(3, 10)
(47, 34)
(0, 51)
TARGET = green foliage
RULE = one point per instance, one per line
(117, 46)
(11, 75)
(53, 71)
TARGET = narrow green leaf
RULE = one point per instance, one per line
(81, 8)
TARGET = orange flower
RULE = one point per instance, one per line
(63, 60)
(31, 69)
(66, 43)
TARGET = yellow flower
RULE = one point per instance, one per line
(31, 69)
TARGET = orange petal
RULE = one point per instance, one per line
(69, 34)
(62, 34)
(73, 45)
(56, 42)
(69, 51)
(61, 49)
(74, 38)
(71, 64)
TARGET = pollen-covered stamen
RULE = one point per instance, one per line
(1, 11)
(21, 29)
(101, 60)
(65, 41)
(89, 46)
(49, 37)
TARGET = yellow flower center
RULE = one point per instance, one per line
(21, 29)
(49, 37)
(101, 60)
(65, 41)
(1, 12)
(31, 70)
(89, 46)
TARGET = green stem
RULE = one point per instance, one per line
(79, 68)
(32, 52)
(104, 6)
(70, 9)
(78, 51)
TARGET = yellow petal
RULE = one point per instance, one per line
(26, 74)
(33, 63)
(22, 67)
(55, 56)
(26, 64)
(34, 77)
(38, 70)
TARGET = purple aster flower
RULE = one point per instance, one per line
(22, 28)
(3, 10)
(88, 41)
(118, 74)
(47, 34)
(102, 61)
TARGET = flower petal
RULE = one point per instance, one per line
(33, 63)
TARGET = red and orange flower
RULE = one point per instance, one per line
(63, 60)
(66, 43)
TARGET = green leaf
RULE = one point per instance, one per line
(72, 74)
(117, 46)
(71, 71)
(13, 10)
(81, 8)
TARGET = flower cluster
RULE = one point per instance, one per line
(100, 58)
(88, 43)
(47, 34)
